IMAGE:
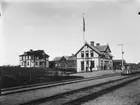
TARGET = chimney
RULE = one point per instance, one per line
(92, 43)
(72, 54)
(97, 44)
(25, 53)
(31, 50)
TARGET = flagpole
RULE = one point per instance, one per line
(84, 41)
(83, 29)
(84, 37)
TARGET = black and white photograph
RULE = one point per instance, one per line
(70, 52)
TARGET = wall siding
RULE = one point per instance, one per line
(32, 62)
(94, 58)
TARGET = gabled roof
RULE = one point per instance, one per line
(92, 47)
(66, 57)
(35, 53)
(107, 54)
(57, 59)
(71, 58)
(102, 48)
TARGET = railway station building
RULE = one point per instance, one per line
(94, 57)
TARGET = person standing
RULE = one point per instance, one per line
(91, 68)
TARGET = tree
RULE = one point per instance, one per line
(138, 65)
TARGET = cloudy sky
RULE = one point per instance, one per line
(56, 27)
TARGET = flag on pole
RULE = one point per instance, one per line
(83, 23)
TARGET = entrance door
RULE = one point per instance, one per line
(92, 64)
(82, 65)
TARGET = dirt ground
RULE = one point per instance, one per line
(128, 95)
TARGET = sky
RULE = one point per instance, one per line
(57, 27)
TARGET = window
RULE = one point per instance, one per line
(40, 63)
(91, 53)
(28, 63)
(22, 64)
(87, 54)
(82, 54)
(36, 63)
(23, 57)
(25, 63)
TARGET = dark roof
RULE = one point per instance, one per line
(102, 48)
(95, 49)
(66, 57)
(36, 53)
(119, 60)
(72, 58)
(57, 59)
(108, 54)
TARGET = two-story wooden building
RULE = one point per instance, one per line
(37, 58)
(94, 57)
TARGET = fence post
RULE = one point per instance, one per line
(0, 80)
(30, 76)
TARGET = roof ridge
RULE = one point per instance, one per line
(97, 50)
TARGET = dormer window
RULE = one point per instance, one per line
(87, 54)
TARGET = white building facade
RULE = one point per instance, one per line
(91, 57)
(32, 58)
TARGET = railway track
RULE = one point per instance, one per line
(7, 91)
(81, 95)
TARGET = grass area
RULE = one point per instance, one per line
(16, 76)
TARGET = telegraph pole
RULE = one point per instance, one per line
(122, 53)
